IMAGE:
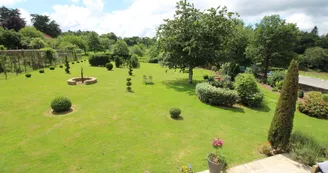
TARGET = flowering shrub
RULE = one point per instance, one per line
(217, 157)
(314, 105)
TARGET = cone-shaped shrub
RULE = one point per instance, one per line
(282, 123)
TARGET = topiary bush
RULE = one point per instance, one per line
(52, 68)
(109, 66)
(134, 61)
(175, 113)
(78, 62)
(99, 60)
(248, 91)
(205, 77)
(275, 77)
(216, 96)
(128, 85)
(41, 71)
(73, 63)
(61, 66)
(314, 105)
(300, 94)
(28, 75)
(61, 104)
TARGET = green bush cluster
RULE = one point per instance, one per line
(109, 66)
(224, 82)
(248, 91)
(275, 77)
(325, 97)
(99, 60)
(300, 94)
(175, 113)
(304, 149)
(216, 96)
(314, 105)
(61, 104)
(153, 60)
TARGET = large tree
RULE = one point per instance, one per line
(44, 24)
(282, 123)
(93, 42)
(74, 40)
(192, 38)
(273, 43)
(10, 38)
(11, 19)
(121, 49)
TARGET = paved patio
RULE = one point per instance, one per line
(275, 164)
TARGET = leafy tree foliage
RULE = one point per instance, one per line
(192, 38)
(31, 32)
(110, 36)
(37, 43)
(44, 24)
(282, 123)
(93, 42)
(273, 43)
(10, 39)
(315, 58)
(121, 49)
(305, 40)
(77, 41)
(10, 19)
(106, 43)
(137, 50)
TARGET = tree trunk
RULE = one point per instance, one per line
(266, 67)
(190, 75)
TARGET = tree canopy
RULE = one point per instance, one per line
(44, 24)
(11, 19)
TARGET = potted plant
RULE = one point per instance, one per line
(216, 161)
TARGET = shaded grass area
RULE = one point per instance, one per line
(116, 131)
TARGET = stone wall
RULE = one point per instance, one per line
(308, 88)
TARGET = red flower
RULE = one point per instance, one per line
(219, 79)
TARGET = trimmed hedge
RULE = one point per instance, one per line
(41, 71)
(216, 96)
(52, 68)
(99, 60)
(61, 104)
(28, 75)
(248, 91)
(314, 105)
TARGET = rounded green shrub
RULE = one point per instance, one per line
(99, 60)
(28, 75)
(109, 66)
(314, 105)
(73, 63)
(61, 66)
(301, 94)
(275, 77)
(61, 104)
(205, 77)
(175, 112)
(248, 91)
(128, 79)
(128, 84)
(77, 61)
(216, 96)
(41, 71)
(52, 68)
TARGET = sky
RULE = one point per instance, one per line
(128, 18)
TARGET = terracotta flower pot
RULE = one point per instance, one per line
(215, 167)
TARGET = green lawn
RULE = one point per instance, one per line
(320, 75)
(116, 131)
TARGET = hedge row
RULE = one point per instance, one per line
(99, 60)
(216, 96)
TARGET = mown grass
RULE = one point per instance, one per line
(320, 75)
(116, 131)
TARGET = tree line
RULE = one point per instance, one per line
(219, 38)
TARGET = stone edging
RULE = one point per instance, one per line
(87, 81)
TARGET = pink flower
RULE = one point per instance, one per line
(217, 143)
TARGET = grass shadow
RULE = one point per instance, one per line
(150, 83)
(263, 108)
(181, 85)
(180, 118)
(233, 109)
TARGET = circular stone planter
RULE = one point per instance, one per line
(78, 81)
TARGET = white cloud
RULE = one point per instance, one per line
(9, 2)
(26, 16)
(143, 16)
(75, 1)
